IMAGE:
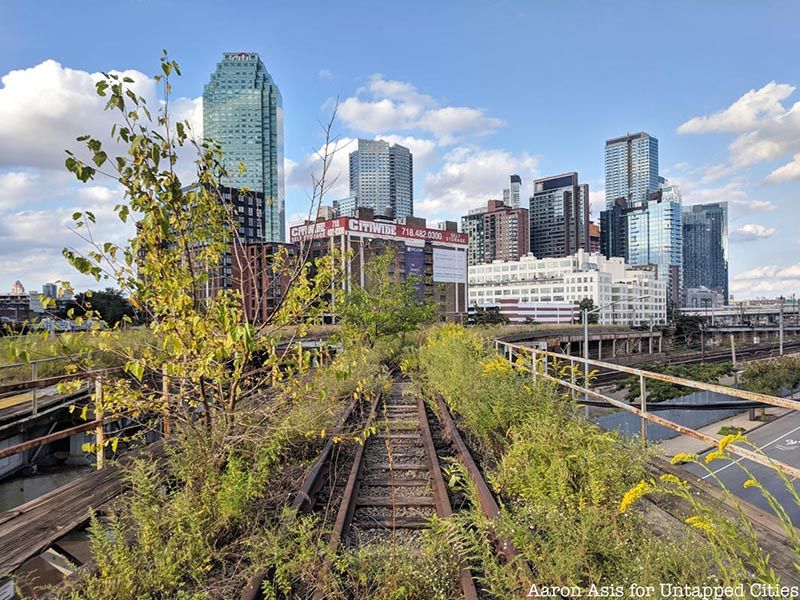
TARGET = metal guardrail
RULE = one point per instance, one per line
(536, 362)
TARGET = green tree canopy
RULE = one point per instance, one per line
(111, 305)
(383, 307)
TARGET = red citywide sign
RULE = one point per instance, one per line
(376, 229)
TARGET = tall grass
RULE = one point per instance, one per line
(560, 477)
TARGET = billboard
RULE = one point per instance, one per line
(374, 229)
(449, 266)
(415, 265)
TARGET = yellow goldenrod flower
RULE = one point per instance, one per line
(728, 440)
(751, 483)
(701, 524)
(714, 455)
(683, 457)
(632, 495)
(670, 478)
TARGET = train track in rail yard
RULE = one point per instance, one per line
(386, 490)
(742, 355)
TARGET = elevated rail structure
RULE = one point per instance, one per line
(548, 365)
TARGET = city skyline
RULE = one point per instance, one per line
(721, 142)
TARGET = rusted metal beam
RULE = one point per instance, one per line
(49, 381)
(682, 429)
(58, 435)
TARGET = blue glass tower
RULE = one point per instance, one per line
(242, 111)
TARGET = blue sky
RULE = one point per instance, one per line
(476, 89)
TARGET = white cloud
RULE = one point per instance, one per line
(769, 280)
(299, 174)
(597, 202)
(787, 172)
(387, 105)
(326, 74)
(766, 129)
(45, 107)
(469, 177)
(751, 232)
(745, 113)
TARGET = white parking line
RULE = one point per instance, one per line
(760, 448)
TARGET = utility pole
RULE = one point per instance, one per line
(702, 345)
(586, 356)
(780, 330)
(733, 351)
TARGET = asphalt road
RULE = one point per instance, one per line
(779, 440)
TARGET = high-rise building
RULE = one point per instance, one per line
(497, 232)
(242, 111)
(559, 216)
(512, 192)
(50, 290)
(382, 178)
(705, 247)
(648, 234)
(631, 163)
(17, 289)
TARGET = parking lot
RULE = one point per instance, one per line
(780, 440)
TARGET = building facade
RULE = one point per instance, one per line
(594, 237)
(705, 247)
(631, 166)
(628, 295)
(497, 232)
(559, 216)
(655, 237)
(511, 194)
(436, 257)
(50, 290)
(381, 179)
(702, 297)
(242, 110)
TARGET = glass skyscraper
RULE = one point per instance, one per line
(631, 163)
(511, 194)
(242, 111)
(642, 220)
(705, 247)
(655, 237)
(382, 178)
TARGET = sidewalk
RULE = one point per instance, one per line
(690, 445)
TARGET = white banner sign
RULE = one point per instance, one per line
(449, 266)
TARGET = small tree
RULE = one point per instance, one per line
(588, 304)
(206, 359)
(109, 303)
(383, 308)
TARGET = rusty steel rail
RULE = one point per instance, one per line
(534, 368)
(443, 506)
(24, 386)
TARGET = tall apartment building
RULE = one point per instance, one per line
(631, 164)
(512, 193)
(242, 110)
(705, 247)
(628, 295)
(559, 216)
(381, 179)
(642, 220)
(497, 232)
